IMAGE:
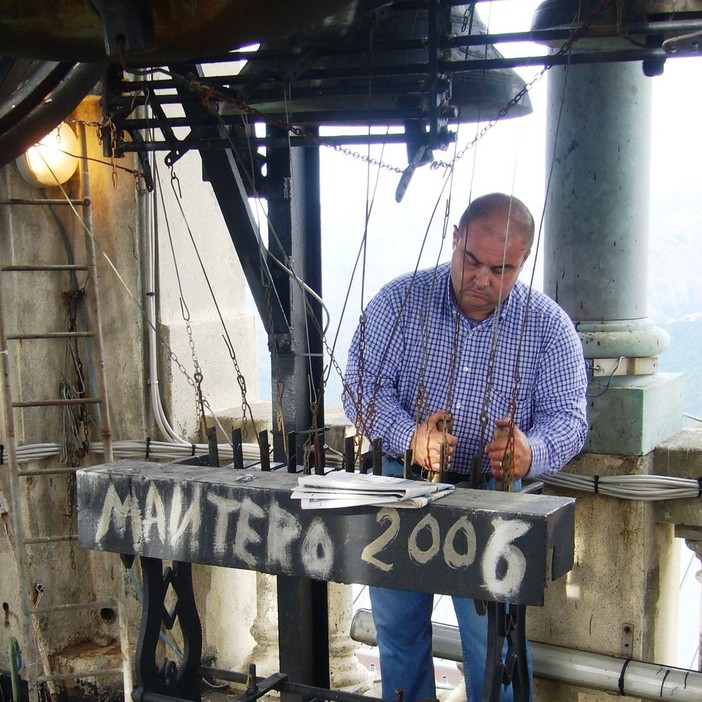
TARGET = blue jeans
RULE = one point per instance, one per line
(403, 625)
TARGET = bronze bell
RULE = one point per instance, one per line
(380, 66)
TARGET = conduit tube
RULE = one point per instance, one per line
(649, 681)
(147, 227)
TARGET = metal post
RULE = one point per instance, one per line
(295, 240)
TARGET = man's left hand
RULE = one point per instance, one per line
(497, 448)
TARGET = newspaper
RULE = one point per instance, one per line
(339, 489)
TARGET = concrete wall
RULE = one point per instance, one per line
(620, 598)
(34, 302)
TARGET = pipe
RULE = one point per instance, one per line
(13, 654)
(147, 227)
(621, 676)
(98, 338)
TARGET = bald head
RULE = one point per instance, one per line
(516, 213)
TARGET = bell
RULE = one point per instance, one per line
(639, 23)
(617, 16)
(369, 65)
(148, 33)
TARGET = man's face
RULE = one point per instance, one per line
(483, 269)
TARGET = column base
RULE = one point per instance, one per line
(633, 414)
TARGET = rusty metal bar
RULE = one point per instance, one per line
(26, 268)
(50, 335)
(58, 403)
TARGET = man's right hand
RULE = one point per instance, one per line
(428, 439)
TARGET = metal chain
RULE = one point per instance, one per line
(100, 127)
(504, 111)
(209, 93)
(241, 380)
(70, 499)
(200, 404)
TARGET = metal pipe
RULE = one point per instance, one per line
(98, 341)
(621, 676)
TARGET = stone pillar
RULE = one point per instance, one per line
(265, 627)
(694, 543)
(681, 457)
(346, 672)
(596, 250)
(620, 597)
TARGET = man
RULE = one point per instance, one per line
(469, 344)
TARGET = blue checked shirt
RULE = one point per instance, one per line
(414, 353)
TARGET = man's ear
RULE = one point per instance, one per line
(456, 236)
(524, 259)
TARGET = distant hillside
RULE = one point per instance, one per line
(675, 292)
(674, 257)
(683, 356)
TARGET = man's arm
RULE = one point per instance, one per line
(370, 396)
(560, 403)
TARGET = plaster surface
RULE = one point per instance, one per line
(620, 598)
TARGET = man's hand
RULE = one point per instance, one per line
(428, 439)
(496, 449)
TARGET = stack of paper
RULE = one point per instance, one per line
(340, 489)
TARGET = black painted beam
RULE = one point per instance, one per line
(473, 543)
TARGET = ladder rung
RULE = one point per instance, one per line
(44, 201)
(47, 471)
(76, 675)
(51, 335)
(50, 539)
(72, 606)
(53, 403)
(26, 268)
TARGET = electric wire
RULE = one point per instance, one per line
(644, 488)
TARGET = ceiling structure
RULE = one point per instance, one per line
(421, 64)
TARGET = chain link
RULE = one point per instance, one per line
(70, 499)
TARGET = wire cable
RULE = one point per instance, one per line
(644, 488)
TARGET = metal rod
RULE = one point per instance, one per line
(284, 686)
(45, 201)
(98, 343)
(47, 471)
(237, 449)
(78, 675)
(49, 335)
(544, 36)
(58, 403)
(328, 141)
(536, 36)
(264, 450)
(213, 448)
(17, 536)
(30, 269)
(349, 460)
(51, 539)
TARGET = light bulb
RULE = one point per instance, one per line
(52, 160)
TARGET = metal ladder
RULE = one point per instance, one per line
(21, 542)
